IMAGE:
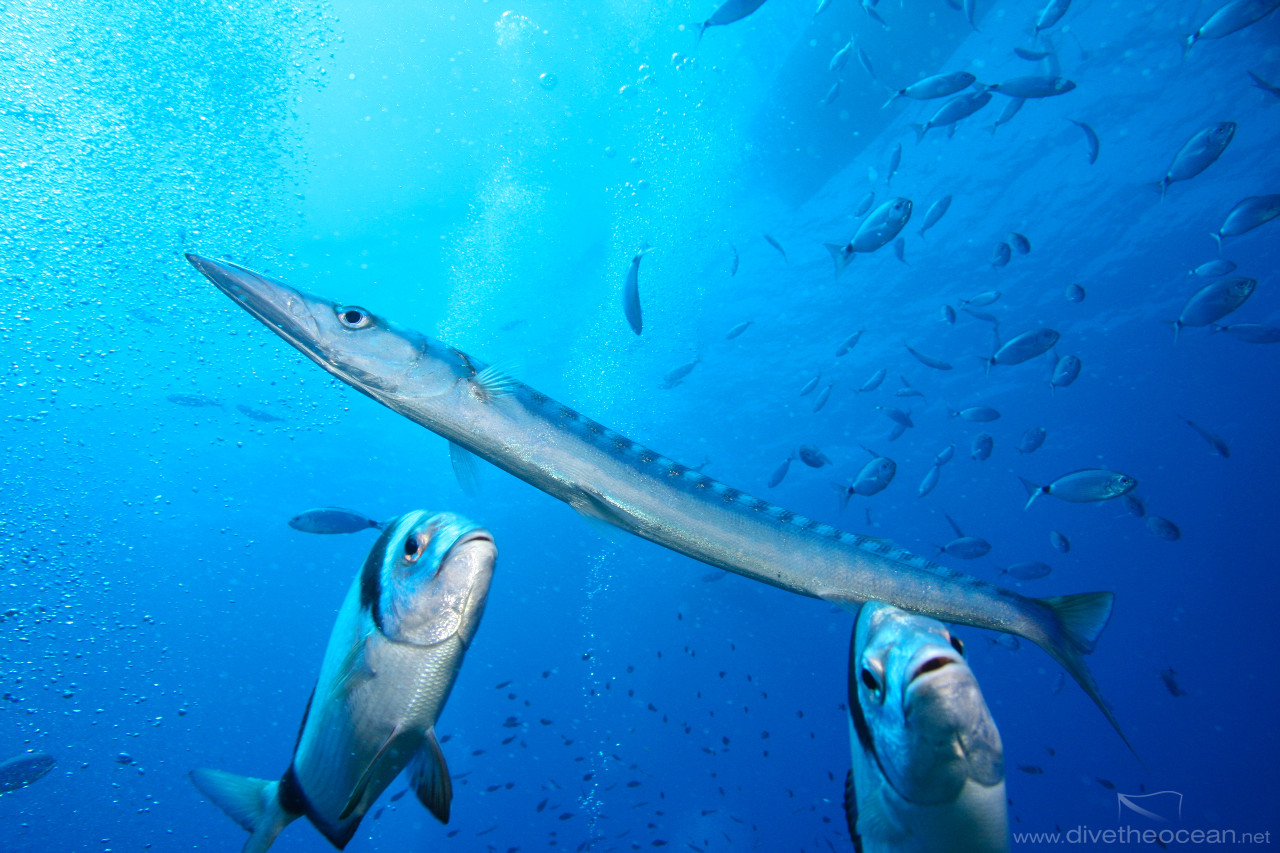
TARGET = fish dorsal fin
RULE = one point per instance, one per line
(495, 381)
(353, 671)
(357, 793)
(466, 469)
(431, 779)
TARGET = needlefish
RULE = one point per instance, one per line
(607, 476)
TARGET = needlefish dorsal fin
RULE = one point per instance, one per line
(466, 469)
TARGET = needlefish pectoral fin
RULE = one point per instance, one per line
(466, 469)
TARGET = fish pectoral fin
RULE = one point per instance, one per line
(431, 780)
(355, 668)
(358, 792)
(466, 469)
(494, 381)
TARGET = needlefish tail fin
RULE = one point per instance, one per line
(1070, 627)
(252, 803)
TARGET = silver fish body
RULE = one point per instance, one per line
(983, 299)
(23, 770)
(981, 448)
(605, 475)
(929, 361)
(631, 295)
(1075, 293)
(332, 519)
(864, 204)
(1163, 528)
(1033, 86)
(391, 662)
(1091, 139)
(945, 455)
(875, 381)
(976, 414)
(1032, 440)
(958, 108)
(1001, 254)
(1247, 215)
(1051, 14)
(849, 343)
(935, 212)
(738, 330)
(930, 481)
(928, 763)
(1065, 372)
(1214, 301)
(1011, 110)
(1059, 542)
(877, 230)
(1229, 18)
(1251, 333)
(1029, 571)
(728, 12)
(1024, 347)
(1216, 268)
(937, 86)
(1198, 153)
(1088, 485)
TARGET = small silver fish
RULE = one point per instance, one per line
(809, 386)
(935, 212)
(1272, 88)
(1216, 268)
(1163, 528)
(631, 292)
(1134, 504)
(780, 472)
(874, 382)
(1247, 215)
(1087, 485)
(1065, 372)
(1075, 293)
(958, 108)
(1060, 542)
(1011, 109)
(677, 375)
(1030, 55)
(1024, 347)
(930, 481)
(775, 244)
(895, 160)
(976, 414)
(964, 547)
(877, 230)
(937, 86)
(1033, 86)
(738, 330)
(23, 770)
(332, 519)
(1197, 154)
(900, 250)
(928, 764)
(733, 270)
(1251, 333)
(812, 456)
(908, 390)
(823, 396)
(849, 343)
(927, 361)
(897, 416)
(1032, 440)
(1020, 242)
(832, 93)
(1229, 18)
(1001, 254)
(1219, 446)
(865, 203)
(841, 57)
(727, 13)
(1091, 139)
(984, 317)
(982, 299)
(1170, 679)
(1214, 301)
(1029, 571)
(949, 315)
(945, 455)
(982, 446)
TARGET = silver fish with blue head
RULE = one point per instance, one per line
(928, 763)
(393, 656)
(1197, 154)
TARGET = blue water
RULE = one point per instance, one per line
(158, 614)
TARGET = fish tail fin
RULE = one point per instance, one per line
(839, 256)
(1071, 632)
(252, 803)
(920, 130)
(893, 96)
(1217, 238)
(1177, 327)
(702, 28)
(989, 362)
(1187, 44)
(1214, 328)
(1033, 491)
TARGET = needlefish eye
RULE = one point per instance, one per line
(353, 317)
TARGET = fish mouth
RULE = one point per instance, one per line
(928, 667)
(282, 309)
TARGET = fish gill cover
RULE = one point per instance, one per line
(486, 174)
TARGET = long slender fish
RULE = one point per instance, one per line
(607, 476)
(631, 293)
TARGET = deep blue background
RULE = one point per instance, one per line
(156, 605)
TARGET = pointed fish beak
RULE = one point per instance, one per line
(286, 311)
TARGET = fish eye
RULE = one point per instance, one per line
(958, 645)
(872, 683)
(412, 549)
(353, 317)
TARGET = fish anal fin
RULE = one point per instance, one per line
(466, 469)
(851, 811)
(358, 792)
(431, 781)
